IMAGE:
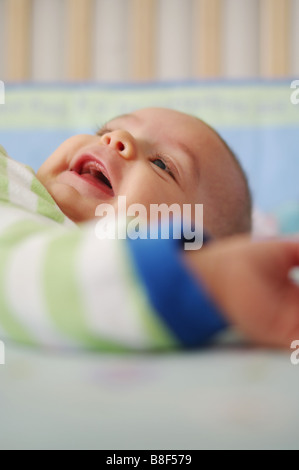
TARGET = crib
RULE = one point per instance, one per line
(133, 40)
(110, 56)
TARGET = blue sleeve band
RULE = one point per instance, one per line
(182, 303)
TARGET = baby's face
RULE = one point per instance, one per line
(151, 156)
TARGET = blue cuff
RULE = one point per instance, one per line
(182, 303)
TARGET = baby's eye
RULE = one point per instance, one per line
(165, 166)
(158, 162)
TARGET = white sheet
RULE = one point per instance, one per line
(226, 397)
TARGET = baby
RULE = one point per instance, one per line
(152, 156)
(61, 286)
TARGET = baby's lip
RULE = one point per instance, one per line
(89, 163)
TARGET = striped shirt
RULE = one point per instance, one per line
(62, 287)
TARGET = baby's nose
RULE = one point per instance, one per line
(121, 141)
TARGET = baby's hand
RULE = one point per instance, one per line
(250, 282)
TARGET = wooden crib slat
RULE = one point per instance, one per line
(78, 39)
(275, 37)
(207, 38)
(142, 39)
(17, 39)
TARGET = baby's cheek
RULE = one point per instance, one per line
(49, 171)
(60, 160)
(146, 195)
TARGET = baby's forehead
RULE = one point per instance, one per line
(166, 114)
(168, 125)
(170, 121)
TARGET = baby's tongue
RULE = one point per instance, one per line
(91, 177)
(91, 172)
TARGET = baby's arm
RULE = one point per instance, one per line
(250, 281)
(63, 287)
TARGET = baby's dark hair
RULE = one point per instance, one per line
(243, 222)
(240, 220)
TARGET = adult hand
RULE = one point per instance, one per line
(250, 282)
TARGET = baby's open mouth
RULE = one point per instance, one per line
(91, 169)
(94, 173)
